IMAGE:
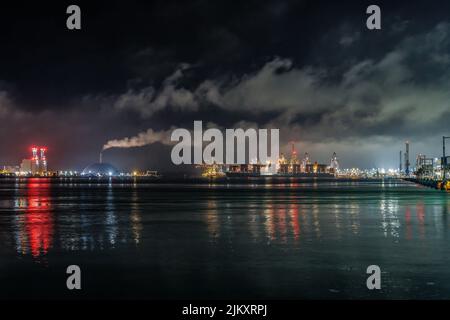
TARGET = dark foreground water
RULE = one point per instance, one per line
(184, 241)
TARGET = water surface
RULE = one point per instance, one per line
(293, 240)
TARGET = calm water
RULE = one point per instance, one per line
(299, 240)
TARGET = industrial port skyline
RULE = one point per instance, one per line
(288, 164)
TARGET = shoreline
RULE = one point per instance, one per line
(199, 180)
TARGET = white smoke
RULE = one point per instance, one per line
(142, 139)
(5, 104)
(149, 137)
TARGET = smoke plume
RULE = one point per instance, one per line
(142, 139)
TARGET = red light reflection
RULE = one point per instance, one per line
(38, 219)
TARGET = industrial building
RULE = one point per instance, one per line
(9, 170)
(286, 167)
(295, 167)
(100, 170)
(425, 166)
(36, 164)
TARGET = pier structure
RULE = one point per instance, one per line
(431, 175)
(444, 161)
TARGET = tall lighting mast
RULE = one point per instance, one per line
(444, 158)
(407, 158)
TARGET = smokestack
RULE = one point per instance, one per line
(101, 157)
(407, 158)
(43, 160)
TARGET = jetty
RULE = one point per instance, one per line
(432, 183)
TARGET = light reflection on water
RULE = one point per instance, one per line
(105, 216)
(80, 220)
(296, 226)
(33, 229)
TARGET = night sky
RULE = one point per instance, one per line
(310, 68)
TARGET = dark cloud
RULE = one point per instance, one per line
(310, 68)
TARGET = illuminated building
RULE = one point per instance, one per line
(34, 161)
(334, 165)
(283, 164)
(25, 166)
(305, 162)
(286, 167)
(212, 171)
(100, 170)
(424, 167)
(37, 164)
(43, 161)
(292, 167)
(316, 168)
(245, 170)
(9, 170)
